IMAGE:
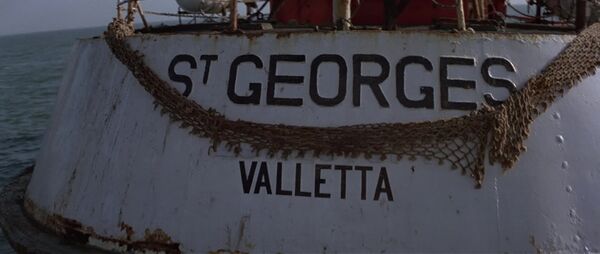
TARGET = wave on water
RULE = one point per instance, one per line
(31, 67)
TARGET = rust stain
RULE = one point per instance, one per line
(222, 251)
(282, 35)
(523, 35)
(155, 240)
(243, 221)
(252, 36)
(128, 230)
(538, 249)
(157, 235)
(72, 230)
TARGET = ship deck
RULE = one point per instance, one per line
(253, 28)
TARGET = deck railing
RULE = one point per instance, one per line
(343, 13)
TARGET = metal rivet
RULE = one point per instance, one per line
(560, 139)
(572, 213)
(569, 188)
(565, 165)
(556, 115)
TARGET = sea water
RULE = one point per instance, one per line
(31, 69)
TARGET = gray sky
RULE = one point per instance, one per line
(24, 16)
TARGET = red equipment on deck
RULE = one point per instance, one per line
(370, 12)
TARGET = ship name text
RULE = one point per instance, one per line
(272, 73)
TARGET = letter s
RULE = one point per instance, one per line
(497, 82)
(183, 78)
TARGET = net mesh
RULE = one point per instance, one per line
(461, 142)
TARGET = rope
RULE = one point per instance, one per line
(462, 142)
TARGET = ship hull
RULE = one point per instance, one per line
(122, 174)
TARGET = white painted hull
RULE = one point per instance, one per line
(110, 159)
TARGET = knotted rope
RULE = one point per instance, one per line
(460, 141)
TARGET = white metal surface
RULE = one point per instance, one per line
(111, 158)
(206, 6)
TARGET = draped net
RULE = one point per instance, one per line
(462, 142)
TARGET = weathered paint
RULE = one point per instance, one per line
(154, 241)
(110, 159)
(23, 233)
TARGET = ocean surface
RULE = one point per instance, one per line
(31, 69)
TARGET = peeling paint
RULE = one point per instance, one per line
(128, 230)
(223, 251)
(524, 36)
(155, 241)
(534, 244)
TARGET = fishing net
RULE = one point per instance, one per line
(462, 142)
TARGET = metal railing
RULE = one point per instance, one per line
(479, 11)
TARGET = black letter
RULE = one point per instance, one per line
(343, 170)
(363, 183)
(278, 189)
(319, 181)
(208, 59)
(383, 180)
(497, 82)
(446, 83)
(247, 179)
(342, 72)
(427, 101)
(372, 81)
(182, 78)
(274, 79)
(263, 179)
(254, 97)
(298, 188)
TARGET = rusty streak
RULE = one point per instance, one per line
(72, 230)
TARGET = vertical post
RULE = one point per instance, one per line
(481, 9)
(249, 8)
(460, 16)
(141, 12)
(130, 12)
(538, 11)
(389, 14)
(342, 14)
(179, 14)
(233, 15)
(581, 16)
(118, 9)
